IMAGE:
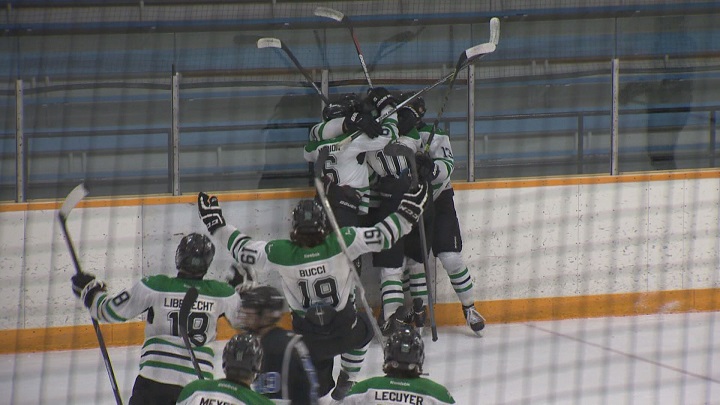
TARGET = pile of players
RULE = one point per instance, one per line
(378, 205)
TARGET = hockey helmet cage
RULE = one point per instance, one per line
(405, 350)
(242, 357)
(309, 223)
(346, 105)
(267, 301)
(194, 254)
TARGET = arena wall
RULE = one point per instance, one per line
(538, 249)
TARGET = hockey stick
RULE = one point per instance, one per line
(461, 63)
(187, 303)
(276, 43)
(322, 156)
(342, 18)
(72, 200)
(467, 57)
(398, 149)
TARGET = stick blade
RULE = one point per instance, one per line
(479, 50)
(328, 12)
(269, 43)
(72, 199)
(495, 30)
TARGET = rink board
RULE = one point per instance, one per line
(546, 248)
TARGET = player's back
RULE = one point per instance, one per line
(390, 391)
(202, 392)
(164, 296)
(164, 357)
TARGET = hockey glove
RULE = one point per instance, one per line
(86, 286)
(210, 212)
(79, 281)
(380, 97)
(362, 122)
(243, 278)
(426, 168)
(413, 203)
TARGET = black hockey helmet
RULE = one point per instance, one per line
(417, 105)
(309, 223)
(404, 351)
(346, 105)
(267, 302)
(194, 255)
(242, 357)
(410, 115)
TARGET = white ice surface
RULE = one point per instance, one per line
(658, 359)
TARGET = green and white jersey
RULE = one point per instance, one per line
(164, 357)
(219, 392)
(391, 391)
(384, 166)
(441, 154)
(320, 274)
(346, 166)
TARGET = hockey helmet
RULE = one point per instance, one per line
(410, 115)
(404, 351)
(194, 255)
(309, 223)
(346, 105)
(242, 357)
(268, 304)
(417, 105)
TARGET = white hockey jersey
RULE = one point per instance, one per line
(318, 274)
(441, 154)
(346, 166)
(164, 357)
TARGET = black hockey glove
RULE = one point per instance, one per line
(210, 212)
(380, 97)
(413, 203)
(243, 278)
(362, 122)
(85, 286)
(426, 168)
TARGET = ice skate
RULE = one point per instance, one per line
(474, 320)
(397, 319)
(419, 314)
(342, 386)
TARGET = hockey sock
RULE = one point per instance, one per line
(459, 276)
(417, 281)
(351, 362)
(392, 290)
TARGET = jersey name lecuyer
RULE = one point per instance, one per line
(199, 305)
(398, 396)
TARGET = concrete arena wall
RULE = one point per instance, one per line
(537, 249)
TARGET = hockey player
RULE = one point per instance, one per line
(165, 367)
(241, 362)
(316, 279)
(390, 180)
(401, 384)
(287, 370)
(345, 173)
(446, 239)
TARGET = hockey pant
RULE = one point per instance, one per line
(150, 392)
(348, 335)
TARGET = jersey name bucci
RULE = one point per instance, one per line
(398, 397)
(312, 271)
(205, 306)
